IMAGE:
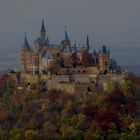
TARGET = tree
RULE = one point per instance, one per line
(128, 88)
(49, 131)
(69, 133)
(4, 134)
(32, 135)
(116, 97)
(17, 134)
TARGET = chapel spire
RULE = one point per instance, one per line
(43, 27)
(43, 31)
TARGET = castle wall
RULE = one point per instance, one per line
(70, 88)
(80, 84)
(55, 79)
(105, 80)
(29, 78)
(84, 70)
(78, 88)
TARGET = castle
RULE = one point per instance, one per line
(63, 61)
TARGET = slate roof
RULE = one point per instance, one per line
(66, 36)
(26, 44)
(41, 42)
(43, 27)
(104, 50)
(53, 45)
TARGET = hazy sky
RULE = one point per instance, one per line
(115, 23)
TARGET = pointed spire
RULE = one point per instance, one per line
(75, 48)
(26, 44)
(87, 43)
(47, 40)
(99, 51)
(66, 35)
(43, 27)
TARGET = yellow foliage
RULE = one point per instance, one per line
(81, 117)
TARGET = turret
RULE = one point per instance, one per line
(104, 60)
(24, 54)
(66, 42)
(41, 41)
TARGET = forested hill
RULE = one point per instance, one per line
(39, 114)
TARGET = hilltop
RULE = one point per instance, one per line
(54, 114)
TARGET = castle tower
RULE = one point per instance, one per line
(42, 41)
(24, 54)
(104, 60)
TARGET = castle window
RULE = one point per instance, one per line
(89, 89)
(78, 72)
(84, 72)
(106, 63)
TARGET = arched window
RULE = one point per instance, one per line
(106, 63)
(84, 72)
(78, 72)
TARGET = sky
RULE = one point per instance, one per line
(114, 23)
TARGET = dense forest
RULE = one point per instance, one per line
(39, 114)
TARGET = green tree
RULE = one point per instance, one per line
(69, 133)
(32, 135)
(17, 134)
(4, 134)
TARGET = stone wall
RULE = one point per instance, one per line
(105, 80)
(78, 88)
(29, 78)
(79, 83)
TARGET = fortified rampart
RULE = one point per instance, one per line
(74, 83)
